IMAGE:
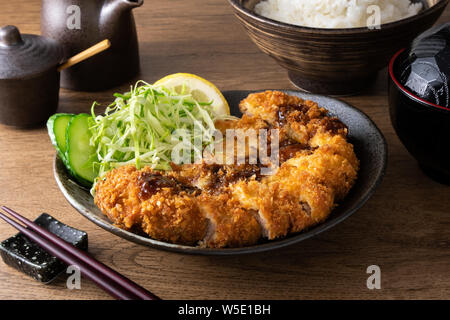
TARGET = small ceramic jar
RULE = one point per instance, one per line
(29, 80)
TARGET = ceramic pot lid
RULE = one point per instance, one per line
(25, 55)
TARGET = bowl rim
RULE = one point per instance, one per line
(237, 6)
(406, 91)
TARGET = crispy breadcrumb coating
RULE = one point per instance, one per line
(222, 205)
(168, 213)
(229, 224)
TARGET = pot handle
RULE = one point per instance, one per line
(86, 54)
(10, 36)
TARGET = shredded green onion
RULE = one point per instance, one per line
(137, 127)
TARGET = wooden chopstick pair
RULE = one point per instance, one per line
(103, 276)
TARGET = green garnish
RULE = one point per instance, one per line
(137, 128)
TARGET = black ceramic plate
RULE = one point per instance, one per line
(370, 148)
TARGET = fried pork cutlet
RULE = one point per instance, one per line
(229, 224)
(233, 205)
(214, 178)
(148, 201)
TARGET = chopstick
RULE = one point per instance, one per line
(103, 276)
(86, 54)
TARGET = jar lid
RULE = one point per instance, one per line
(25, 55)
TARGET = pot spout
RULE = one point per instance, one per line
(112, 9)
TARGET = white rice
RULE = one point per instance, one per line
(336, 13)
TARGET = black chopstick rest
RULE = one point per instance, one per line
(28, 257)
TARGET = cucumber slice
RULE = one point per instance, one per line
(56, 126)
(80, 154)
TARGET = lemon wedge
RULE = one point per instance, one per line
(201, 90)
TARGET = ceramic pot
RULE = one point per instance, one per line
(29, 79)
(78, 24)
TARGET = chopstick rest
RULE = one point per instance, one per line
(112, 282)
(26, 256)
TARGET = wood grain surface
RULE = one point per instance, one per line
(404, 228)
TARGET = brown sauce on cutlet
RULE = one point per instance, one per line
(152, 182)
(246, 171)
(287, 142)
(223, 176)
(334, 125)
(289, 151)
(284, 111)
(288, 148)
(282, 114)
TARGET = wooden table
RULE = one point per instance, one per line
(404, 228)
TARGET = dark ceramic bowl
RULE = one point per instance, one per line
(423, 127)
(370, 148)
(333, 61)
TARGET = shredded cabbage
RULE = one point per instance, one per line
(137, 127)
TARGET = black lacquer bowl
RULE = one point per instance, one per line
(423, 127)
(370, 148)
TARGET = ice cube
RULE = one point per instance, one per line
(426, 69)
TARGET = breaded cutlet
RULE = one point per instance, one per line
(233, 205)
